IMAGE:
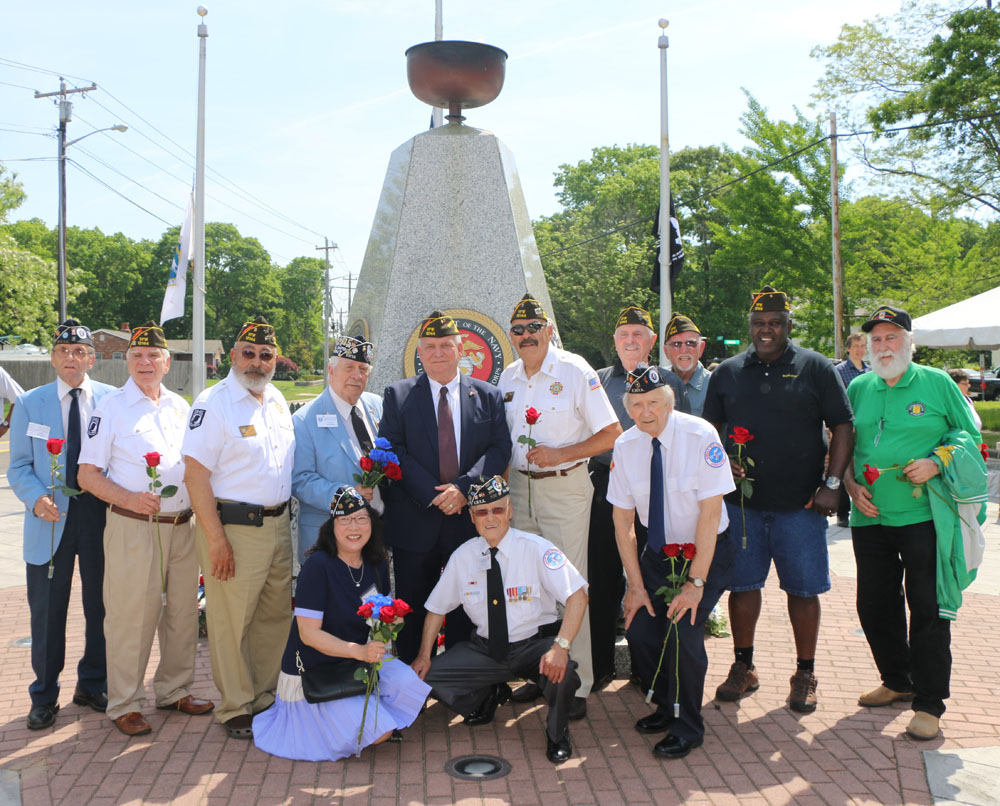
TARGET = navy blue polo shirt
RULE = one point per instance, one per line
(784, 405)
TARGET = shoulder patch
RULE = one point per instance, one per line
(197, 418)
(93, 426)
(593, 382)
(554, 559)
(715, 456)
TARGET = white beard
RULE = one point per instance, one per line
(253, 382)
(896, 367)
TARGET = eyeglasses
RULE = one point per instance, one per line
(360, 520)
(690, 344)
(531, 327)
(264, 355)
(482, 513)
(76, 352)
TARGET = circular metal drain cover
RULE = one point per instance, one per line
(22, 643)
(477, 768)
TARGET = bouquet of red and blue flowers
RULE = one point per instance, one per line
(381, 462)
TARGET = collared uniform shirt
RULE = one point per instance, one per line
(9, 389)
(248, 446)
(535, 574)
(344, 411)
(695, 467)
(696, 388)
(85, 403)
(127, 425)
(569, 396)
(453, 404)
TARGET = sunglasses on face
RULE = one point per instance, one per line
(482, 513)
(264, 355)
(690, 344)
(531, 327)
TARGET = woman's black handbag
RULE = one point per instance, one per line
(332, 681)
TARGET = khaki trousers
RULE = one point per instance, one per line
(134, 611)
(249, 616)
(560, 512)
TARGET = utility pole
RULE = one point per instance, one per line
(327, 301)
(65, 116)
(838, 275)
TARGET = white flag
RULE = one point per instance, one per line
(173, 299)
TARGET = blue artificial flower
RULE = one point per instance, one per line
(378, 601)
(377, 455)
(391, 457)
(383, 443)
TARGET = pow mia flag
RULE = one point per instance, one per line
(676, 250)
(197, 417)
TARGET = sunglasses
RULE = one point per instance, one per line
(482, 513)
(264, 355)
(531, 327)
(690, 344)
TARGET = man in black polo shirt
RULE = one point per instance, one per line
(634, 340)
(776, 397)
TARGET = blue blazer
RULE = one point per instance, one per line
(325, 459)
(30, 467)
(409, 422)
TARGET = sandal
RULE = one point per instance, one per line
(239, 727)
(396, 736)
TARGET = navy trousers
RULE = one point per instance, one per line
(48, 601)
(645, 637)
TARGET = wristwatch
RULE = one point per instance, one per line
(832, 482)
(562, 643)
(698, 582)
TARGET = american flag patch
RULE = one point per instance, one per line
(594, 382)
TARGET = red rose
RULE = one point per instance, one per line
(741, 436)
(440, 640)
(387, 614)
(366, 463)
(402, 608)
(688, 549)
(531, 415)
(672, 549)
(365, 610)
(54, 446)
(871, 473)
(152, 458)
(984, 451)
(392, 471)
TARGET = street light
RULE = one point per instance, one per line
(65, 114)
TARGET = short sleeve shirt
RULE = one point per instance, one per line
(696, 387)
(127, 425)
(325, 590)
(695, 467)
(9, 389)
(247, 445)
(569, 396)
(894, 424)
(535, 574)
(784, 405)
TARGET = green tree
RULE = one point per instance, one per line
(299, 327)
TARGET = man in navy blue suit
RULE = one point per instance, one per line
(60, 410)
(449, 431)
(332, 433)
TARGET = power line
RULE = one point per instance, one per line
(100, 181)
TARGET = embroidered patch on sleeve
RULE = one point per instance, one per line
(197, 418)
(93, 426)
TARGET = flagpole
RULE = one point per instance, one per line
(198, 292)
(666, 246)
(437, 112)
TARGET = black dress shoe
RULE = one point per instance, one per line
(603, 682)
(97, 700)
(654, 723)
(42, 716)
(529, 692)
(577, 708)
(558, 751)
(483, 715)
(675, 746)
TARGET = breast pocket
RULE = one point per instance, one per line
(682, 508)
(557, 423)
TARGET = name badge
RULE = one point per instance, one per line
(38, 431)
(326, 420)
(248, 431)
(484, 562)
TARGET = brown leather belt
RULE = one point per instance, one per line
(176, 519)
(547, 474)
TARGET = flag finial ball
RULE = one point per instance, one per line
(202, 11)
(663, 23)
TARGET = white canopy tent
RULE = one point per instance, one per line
(972, 324)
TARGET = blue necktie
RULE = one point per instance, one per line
(656, 532)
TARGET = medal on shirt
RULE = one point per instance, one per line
(519, 593)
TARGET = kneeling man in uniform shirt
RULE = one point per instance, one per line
(508, 582)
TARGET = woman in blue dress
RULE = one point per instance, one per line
(347, 564)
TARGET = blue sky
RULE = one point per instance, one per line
(307, 99)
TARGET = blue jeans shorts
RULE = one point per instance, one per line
(794, 539)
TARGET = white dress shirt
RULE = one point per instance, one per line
(85, 403)
(344, 410)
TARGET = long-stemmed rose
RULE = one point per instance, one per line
(675, 581)
(156, 487)
(380, 463)
(531, 416)
(741, 436)
(54, 446)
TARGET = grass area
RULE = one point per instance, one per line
(292, 393)
(989, 412)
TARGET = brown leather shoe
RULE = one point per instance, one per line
(923, 726)
(802, 697)
(132, 724)
(878, 697)
(189, 705)
(740, 681)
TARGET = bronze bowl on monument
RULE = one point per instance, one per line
(455, 75)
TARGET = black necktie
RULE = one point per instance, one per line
(364, 440)
(447, 449)
(73, 439)
(499, 642)
(656, 533)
